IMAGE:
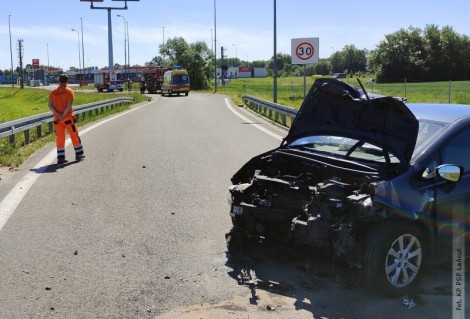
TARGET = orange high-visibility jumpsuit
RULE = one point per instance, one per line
(60, 103)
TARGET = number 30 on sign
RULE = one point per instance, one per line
(305, 50)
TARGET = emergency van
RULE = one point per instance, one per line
(175, 81)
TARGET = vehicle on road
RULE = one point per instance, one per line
(381, 185)
(152, 79)
(339, 75)
(108, 81)
(175, 81)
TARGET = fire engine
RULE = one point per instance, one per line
(152, 79)
(108, 81)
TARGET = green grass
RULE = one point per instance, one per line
(16, 103)
(291, 90)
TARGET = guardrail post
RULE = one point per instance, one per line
(12, 140)
(26, 137)
(39, 131)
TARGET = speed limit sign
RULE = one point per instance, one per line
(305, 50)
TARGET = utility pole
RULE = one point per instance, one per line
(222, 74)
(11, 50)
(20, 56)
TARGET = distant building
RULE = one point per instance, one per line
(242, 72)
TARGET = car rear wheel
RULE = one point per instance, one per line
(394, 258)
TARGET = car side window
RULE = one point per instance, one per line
(458, 150)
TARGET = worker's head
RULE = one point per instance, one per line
(63, 79)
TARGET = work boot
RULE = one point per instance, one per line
(79, 157)
(61, 160)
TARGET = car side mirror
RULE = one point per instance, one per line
(451, 173)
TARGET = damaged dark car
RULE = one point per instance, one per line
(381, 184)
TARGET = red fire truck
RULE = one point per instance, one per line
(108, 81)
(152, 79)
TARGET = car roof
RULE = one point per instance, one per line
(440, 112)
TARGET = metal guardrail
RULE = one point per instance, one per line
(281, 114)
(9, 129)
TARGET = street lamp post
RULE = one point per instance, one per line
(79, 56)
(47, 70)
(275, 57)
(128, 51)
(83, 47)
(125, 41)
(11, 51)
(215, 47)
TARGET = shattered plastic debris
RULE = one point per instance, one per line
(408, 302)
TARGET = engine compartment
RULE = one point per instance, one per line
(301, 209)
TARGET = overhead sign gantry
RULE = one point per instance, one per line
(110, 30)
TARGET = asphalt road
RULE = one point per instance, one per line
(136, 230)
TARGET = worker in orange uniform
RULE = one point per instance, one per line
(60, 104)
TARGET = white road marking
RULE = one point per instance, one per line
(258, 126)
(9, 204)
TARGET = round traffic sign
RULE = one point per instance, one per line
(304, 51)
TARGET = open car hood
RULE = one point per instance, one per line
(336, 108)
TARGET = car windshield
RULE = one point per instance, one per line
(345, 147)
(180, 78)
(342, 147)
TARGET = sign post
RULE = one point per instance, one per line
(305, 51)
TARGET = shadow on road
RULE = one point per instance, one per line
(310, 280)
(52, 168)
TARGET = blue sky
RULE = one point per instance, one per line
(244, 27)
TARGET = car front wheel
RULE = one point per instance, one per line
(394, 258)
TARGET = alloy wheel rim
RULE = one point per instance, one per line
(403, 260)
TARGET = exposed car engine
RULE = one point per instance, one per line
(299, 209)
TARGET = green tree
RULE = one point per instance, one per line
(401, 55)
(283, 64)
(259, 63)
(323, 67)
(455, 62)
(429, 55)
(156, 61)
(349, 60)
